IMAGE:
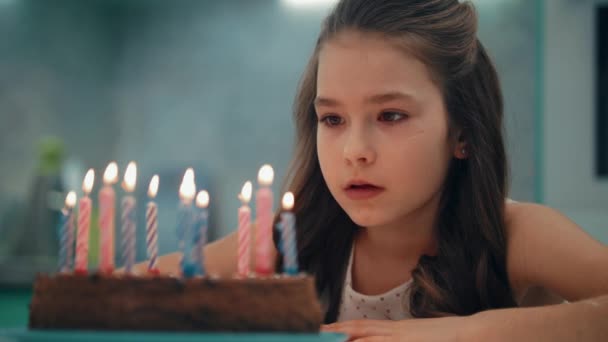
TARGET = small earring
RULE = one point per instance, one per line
(463, 154)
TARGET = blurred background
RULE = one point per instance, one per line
(210, 84)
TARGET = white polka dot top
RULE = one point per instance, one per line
(393, 305)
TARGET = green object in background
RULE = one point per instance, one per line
(32, 238)
(51, 152)
(94, 239)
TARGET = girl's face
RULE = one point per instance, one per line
(382, 136)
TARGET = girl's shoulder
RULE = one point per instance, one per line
(519, 218)
(519, 215)
(547, 252)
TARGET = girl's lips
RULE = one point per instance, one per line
(361, 192)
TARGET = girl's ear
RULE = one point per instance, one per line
(461, 151)
(461, 147)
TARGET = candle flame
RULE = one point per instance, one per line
(202, 199)
(245, 195)
(265, 175)
(288, 201)
(187, 189)
(111, 174)
(70, 199)
(153, 188)
(130, 177)
(87, 184)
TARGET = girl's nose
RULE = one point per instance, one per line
(358, 149)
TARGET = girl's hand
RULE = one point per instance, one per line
(426, 329)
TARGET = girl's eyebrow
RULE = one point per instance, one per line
(390, 96)
(374, 99)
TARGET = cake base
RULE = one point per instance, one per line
(122, 302)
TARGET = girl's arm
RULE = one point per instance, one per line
(220, 258)
(545, 251)
(584, 320)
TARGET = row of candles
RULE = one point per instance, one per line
(192, 226)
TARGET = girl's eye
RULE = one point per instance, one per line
(331, 120)
(391, 117)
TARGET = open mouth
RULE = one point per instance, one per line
(362, 190)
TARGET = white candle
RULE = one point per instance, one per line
(152, 227)
(128, 218)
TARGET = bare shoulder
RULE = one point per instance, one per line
(521, 216)
(548, 255)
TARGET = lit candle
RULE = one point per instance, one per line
(200, 231)
(152, 227)
(264, 198)
(288, 236)
(107, 200)
(84, 222)
(244, 231)
(128, 218)
(66, 233)
(187, 192)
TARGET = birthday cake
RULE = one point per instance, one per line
(164, 303)
(108, 300)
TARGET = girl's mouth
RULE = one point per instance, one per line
(362, 190)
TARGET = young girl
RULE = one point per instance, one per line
(400, 178)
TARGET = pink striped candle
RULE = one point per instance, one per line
(107, 200)
(244, 237)
(264, 198)
(152, 227)
(84, 223)
(128, 218)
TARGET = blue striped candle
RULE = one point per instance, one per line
(186, 223)
(288, 236)
(200, 231)
(128, 233)
(66, 234)
(128, 218)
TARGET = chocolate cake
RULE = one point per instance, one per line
(122, 302)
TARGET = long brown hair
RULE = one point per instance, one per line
(468, 273)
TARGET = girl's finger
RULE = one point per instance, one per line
(360, 328)
(373, 339)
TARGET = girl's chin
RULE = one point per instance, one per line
(367, 221)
